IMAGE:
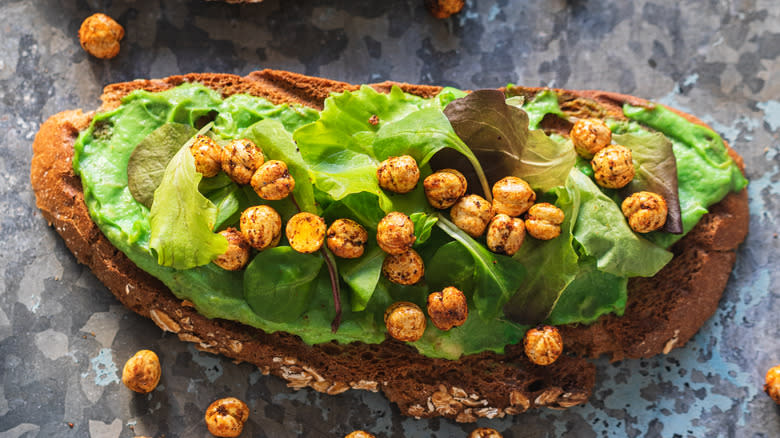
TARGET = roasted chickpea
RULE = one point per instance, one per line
(590, 136)
(772, 386)
(613, 167)
(261, 226)
(444, 188)
(99, 35)
(237, 254)
(512, 196)
(444, 8)
(543, 344)
(347, 238)
(272, 181)
(240, 160)
(405, 321)
(398, 174)
(484, 432)
(544, 221)
(448, 308)
(142, 372)
(645, 211)
(306, 232)
(472, 214)
(207, 155)
(505, 234)
(226, 417)
(405, 268)
(360, 434)
(395, 233)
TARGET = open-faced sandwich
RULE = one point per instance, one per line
(439, 246)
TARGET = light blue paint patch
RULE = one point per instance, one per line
(104, 368)
(691, 79)
(212, 367)
(771, 109)
(299, 396)
(468, 13)
(192, 385)
(493, 13)
(756, 190)
(255, 376)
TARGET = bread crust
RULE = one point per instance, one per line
(483, 385)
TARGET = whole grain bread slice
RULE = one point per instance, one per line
(662, 313)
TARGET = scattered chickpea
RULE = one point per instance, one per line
(240, 160)
(398, 174)
(472, 214)
(444, 188)
(590, 136)
(306, 232)
(272, 181)
(405, 268)
(405, 321)
(613, 167)
(544, 221)
(99, 35)
(347, 239)
(226, 417)
(448, 308)
(237, 254)
(505, 234)
(484, 432)
(395, 233)
(261, 226)
(207, 155)
(360, 434)
(512, 196)
(142, 372)
(646, 211)
(444, 8)
(543, 344)
(772, 386)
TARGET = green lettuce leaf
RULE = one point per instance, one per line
(543, 103)
(592, 294)
(423, 225)
(240, 111)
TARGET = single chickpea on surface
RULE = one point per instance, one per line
(261, 226)
(360, 434)
(142, 372)
(100, 34)
(405, 268)
(543, 344)
(346, 238)
(405, 321)
(444, 187)
(590, 136)
(226, 417)
(237, 254)
(272, 181)
(240, 160)
(395, 233)
(512, 196)
(448, 308)
(772, 385)
(544, 221)
(207, 155)
(645, 211)
(444, 8)
(505, 234)
(472, 214)
(398, 174)
(306, 232)
(613, 167)
(484, 432)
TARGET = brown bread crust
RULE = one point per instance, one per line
(671, 306)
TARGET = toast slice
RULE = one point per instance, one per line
(663, 312)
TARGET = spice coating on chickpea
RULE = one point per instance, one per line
(505, 235)
(645, 211)
(142, 372)
(405, 268)
(226, 417)
(613, 167)
(240, 160)
(395, 233)
(99, 35)
(261, 226)
(398, 174)
(772, 385)
(347, 239)
(405, 321)
(306, 232)
(360, 434)
(444, 187)
(590, 136)
(272, 181)
(448, 308)
(543, 345)
(237, 254)
(472, 214)
(207, 155)
(512, 196)
(484, 432)
(544, 221)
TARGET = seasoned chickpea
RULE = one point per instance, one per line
(347, 238)
(543, 344)
(613, 167)
(99, 35)
(505, 234)
(395, 233)
(142, 372)
(405, 321)
(240, 160)
(272, 181)
(306, 232)
(645, 211)
(448, 308)
(207, 155)
(261, 226)
(360, 434)
(772, 385)
(398, 174)
(237, 254)
(472, 214)
(484, 432)
(590, 136)
(544, 221)
(512, 196)
(405, 268)
(444, 188)
(226, 417)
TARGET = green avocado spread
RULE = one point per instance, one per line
(142, 191)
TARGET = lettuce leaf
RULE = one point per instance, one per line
(592, 294)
